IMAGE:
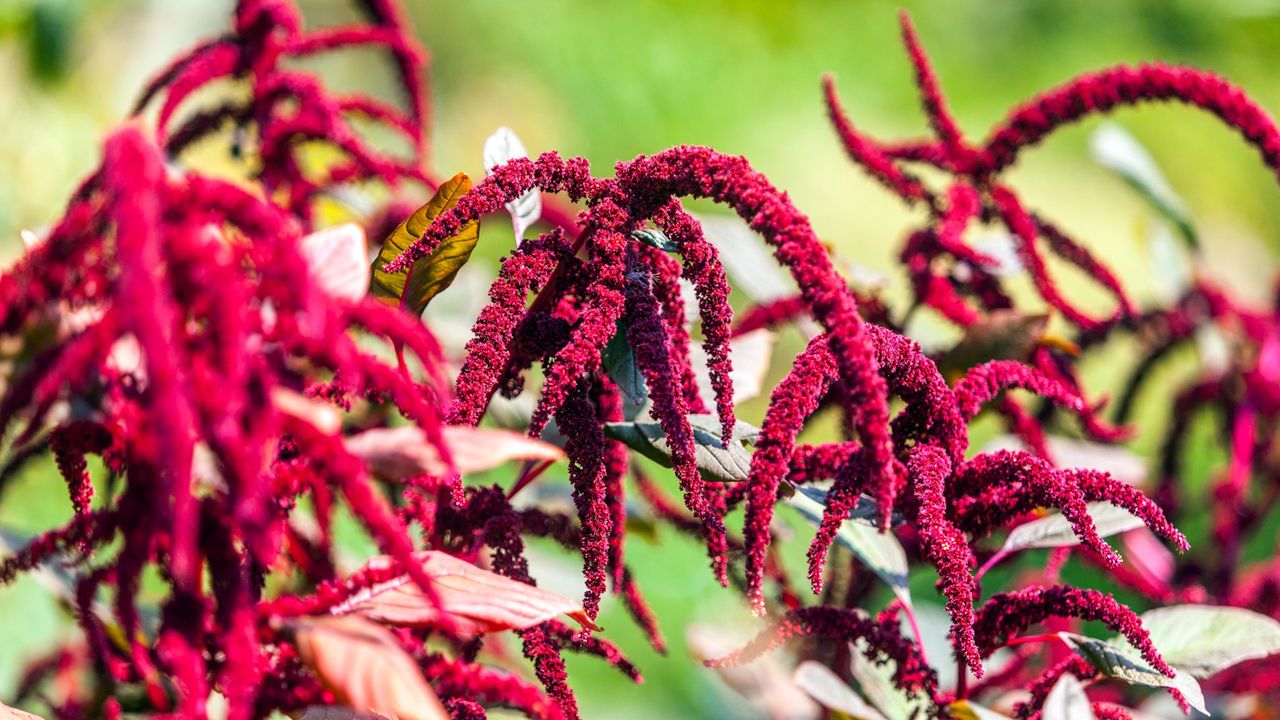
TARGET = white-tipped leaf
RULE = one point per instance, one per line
(1067, 701)
(831, 692)
(500, 148)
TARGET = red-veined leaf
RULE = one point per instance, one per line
(478, 601)
(365, 668)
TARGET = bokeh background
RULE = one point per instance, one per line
(611, 80)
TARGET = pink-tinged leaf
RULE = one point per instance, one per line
(323, 416)
(1149, 557)
(476, 600)
(751, 354)
(338, 258)
(365, 668)
(334, 712)
(765, 683)
(401, 452)
(10, 713)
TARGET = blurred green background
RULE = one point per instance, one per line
(611, 80)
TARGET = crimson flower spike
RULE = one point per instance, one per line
(1008, 614)
(1104, 90)
(935, 105)
(666, 272)
(703, 268)
(288, 107)
(578, 421)
(865, 152)
(994, 488)
(794, 399)
(947, 548)
(646, 334)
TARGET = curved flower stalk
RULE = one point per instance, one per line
(643, 190)
(289, 107)
(170, 236)
(230, 388)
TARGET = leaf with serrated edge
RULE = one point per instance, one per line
(1121, 661)
(412, 289)
(1205, 639)
(1067, 701)
(715, 461)
(1054, 530)
(880, 552)
(365, 668)
(476, 600)
(831, 692)
(500, 148)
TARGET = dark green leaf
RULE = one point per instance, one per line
(656, 238)
(880, 552)
(620, 362)
(1119, 660)
(715, 461)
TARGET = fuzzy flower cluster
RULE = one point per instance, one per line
(236, 401)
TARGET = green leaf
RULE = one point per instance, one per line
(1203, 639)
(880, 552)
(1115, 149)
(1001, 335)
(655, 238)
(831, 692)
(876, 683)
(412, 289)
(1117, 659)
(1054, 530)
(620, 362)
(1067, 701)
(716, 462)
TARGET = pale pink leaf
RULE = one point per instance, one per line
(338, 258)
(365, 668)
(323, 416)
(401, 452)
(476, 600)
(11, 713)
